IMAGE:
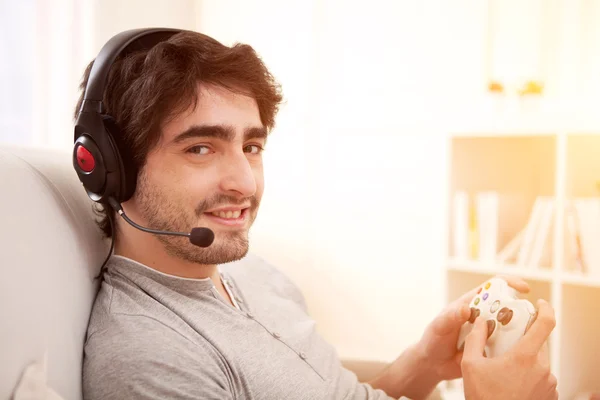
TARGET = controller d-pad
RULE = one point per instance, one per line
(491, 324)
(505, 315)
(474, 314)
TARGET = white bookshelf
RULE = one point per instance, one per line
(499, 268)
(522, 165)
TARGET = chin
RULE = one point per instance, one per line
(227, 247)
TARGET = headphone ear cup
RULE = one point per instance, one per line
(94, 159)
(127, 170)
(89, 165)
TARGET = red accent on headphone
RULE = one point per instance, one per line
(85, 159)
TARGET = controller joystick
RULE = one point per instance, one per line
(506, 316)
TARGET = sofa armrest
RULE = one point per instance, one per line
(365, 370)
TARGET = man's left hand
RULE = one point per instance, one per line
(434, 358)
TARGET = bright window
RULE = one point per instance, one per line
(17, 58)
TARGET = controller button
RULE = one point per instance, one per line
(479, 291)
(477, 301)
(505, 315)
(474, 314)
(485, 296)
(491, 324)
(495, 306)
(487, 285)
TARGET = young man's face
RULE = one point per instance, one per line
(206, 171)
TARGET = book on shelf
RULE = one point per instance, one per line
(536, 240)
(481, 222)
(487, 216)
(475, 226)
(461, 222)
(484, 223)
(582, 234)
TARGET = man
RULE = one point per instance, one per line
(176, 321)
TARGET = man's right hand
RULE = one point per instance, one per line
(521, 373)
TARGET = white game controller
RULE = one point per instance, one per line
(508, 318)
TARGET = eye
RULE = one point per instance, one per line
(200, 150)
(253, 149)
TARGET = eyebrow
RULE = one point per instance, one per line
(222, 132)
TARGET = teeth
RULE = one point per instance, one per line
(227, 214)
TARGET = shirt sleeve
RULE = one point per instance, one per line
(364, 391)
(138, 357)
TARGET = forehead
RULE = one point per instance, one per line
(215, 106)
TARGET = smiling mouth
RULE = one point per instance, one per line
(229, 218)
(227, 214)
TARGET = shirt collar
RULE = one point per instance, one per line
(135, 270)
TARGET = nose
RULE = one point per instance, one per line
(238, 176)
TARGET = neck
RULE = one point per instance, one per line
(146, 249)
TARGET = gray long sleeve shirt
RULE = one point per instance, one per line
(157, 336)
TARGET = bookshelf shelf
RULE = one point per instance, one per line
(502, 116)
(497, 268)
(577, 279)
(519, 163)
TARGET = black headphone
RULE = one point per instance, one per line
(103, 163)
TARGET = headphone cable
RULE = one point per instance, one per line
(112, 243)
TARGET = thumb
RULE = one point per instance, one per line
(451, 320)
(475, 340)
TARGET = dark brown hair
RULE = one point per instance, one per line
(146, 88)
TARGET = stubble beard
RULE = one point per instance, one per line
(163, 212)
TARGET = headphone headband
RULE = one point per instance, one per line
(120, 44)
(102, 162)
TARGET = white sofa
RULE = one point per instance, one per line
(51, 252)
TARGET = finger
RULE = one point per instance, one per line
(475, 341)
(467, 297)
(452, 319)
(552, 382)
(458, 357)
(543, 356)
(463, 313)
(516, 283)
(540, 330)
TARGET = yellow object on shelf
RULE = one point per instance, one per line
(531, 87)
(496, 87)
(473, 232)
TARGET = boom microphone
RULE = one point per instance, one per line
(201, 237)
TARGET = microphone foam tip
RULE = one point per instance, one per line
(202, 237)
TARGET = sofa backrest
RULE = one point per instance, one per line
(51, 251)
